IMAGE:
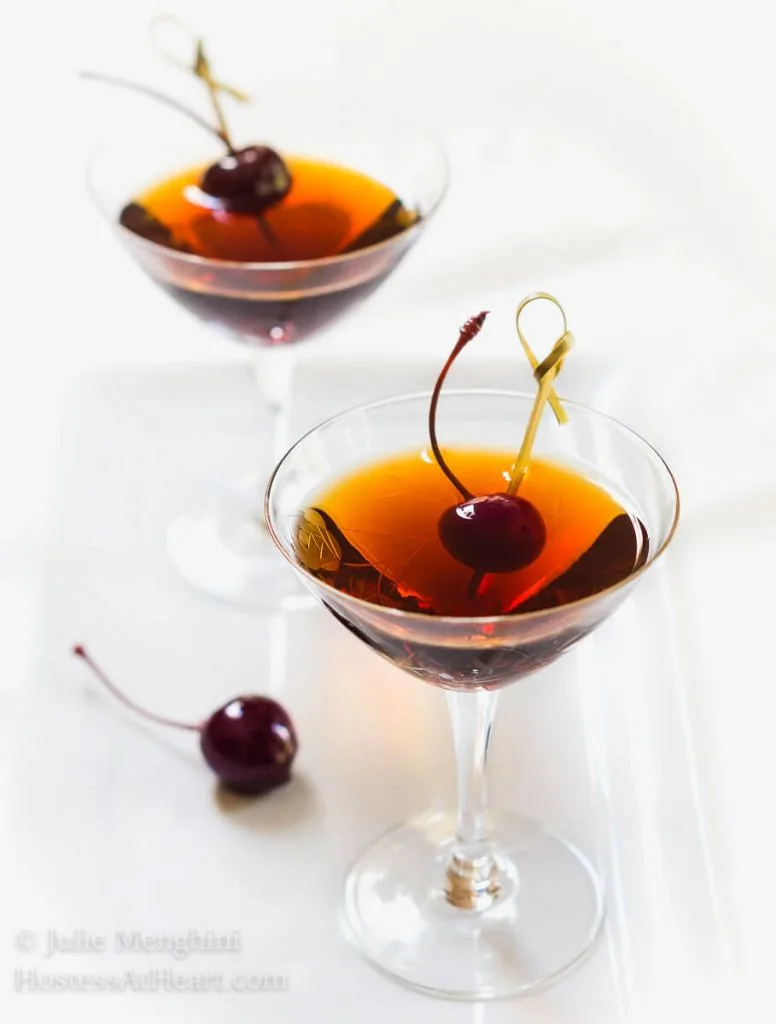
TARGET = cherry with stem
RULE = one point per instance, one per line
(249, 180)
(498, 533)
(249, 743)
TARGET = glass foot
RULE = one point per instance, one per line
(227, 553)
(542, 924)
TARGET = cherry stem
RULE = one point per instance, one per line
(266, 230)
(470, 330)
(475, 583)
(80, 652)
(125, 83)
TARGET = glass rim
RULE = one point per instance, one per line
(267, 267)
(476, 620)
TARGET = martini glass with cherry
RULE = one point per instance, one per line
(269, 223)
(471, 566)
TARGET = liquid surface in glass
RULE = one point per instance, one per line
(329, 210)
(381, 527)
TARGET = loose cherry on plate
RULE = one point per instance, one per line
(250, 743)
(493, 532)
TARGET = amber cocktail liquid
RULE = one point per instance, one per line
(329, 211)
(384, 521)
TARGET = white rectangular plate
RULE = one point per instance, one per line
(118, 826)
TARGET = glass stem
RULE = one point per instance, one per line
(472, 881)
(273, 374)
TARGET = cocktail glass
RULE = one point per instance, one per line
(484, 904)
(223, 548)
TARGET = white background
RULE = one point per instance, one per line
(619, 155)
